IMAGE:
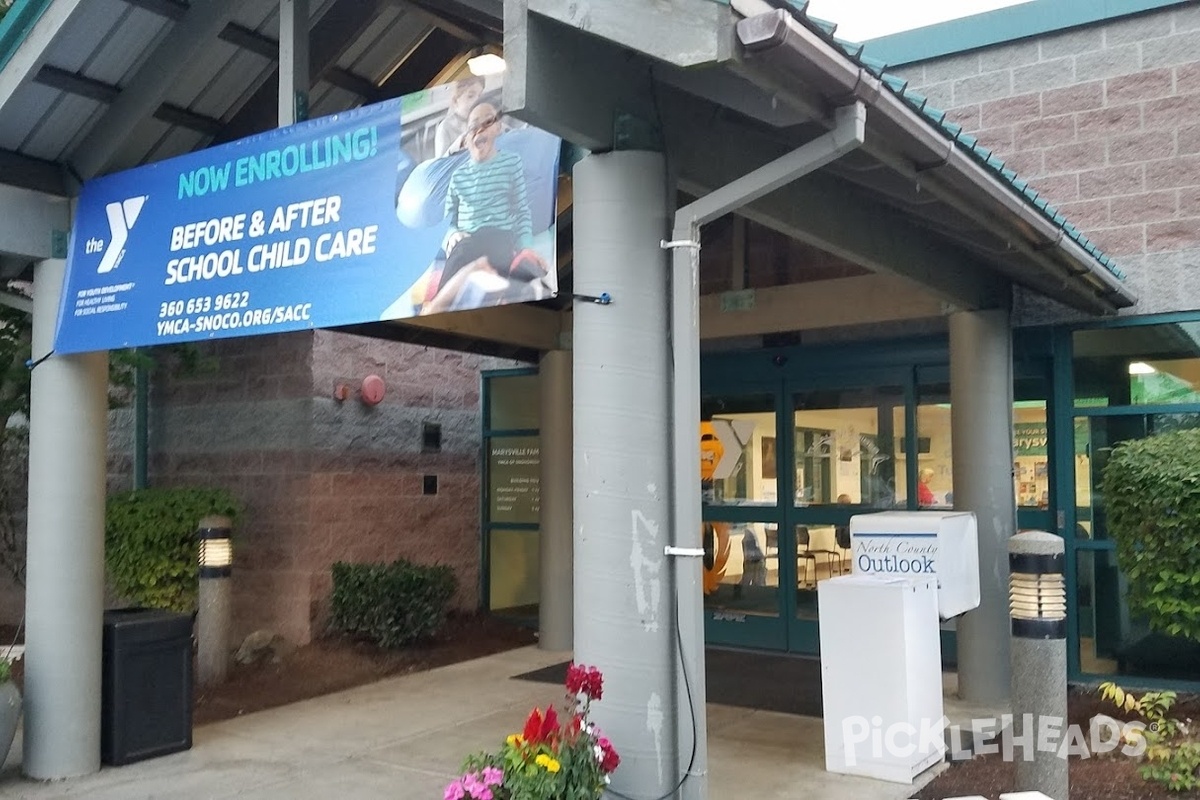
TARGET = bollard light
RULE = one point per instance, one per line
(1037, 604)
(1037, 595)
(214, 604)
(216, 553)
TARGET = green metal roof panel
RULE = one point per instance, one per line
(953, 131)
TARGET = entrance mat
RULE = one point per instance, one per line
(746, 679)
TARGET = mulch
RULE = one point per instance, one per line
(1105, 777)
(336, 662)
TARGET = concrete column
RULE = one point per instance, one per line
(981, 386)
(64, 589)
(624, 621)
(293, 61)
(556, 609)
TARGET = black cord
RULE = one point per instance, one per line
(17, 635)
(31, 364)
(687, 685)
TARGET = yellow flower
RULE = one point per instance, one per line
(514, 739)
(549, 763)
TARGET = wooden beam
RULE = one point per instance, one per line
(821, 304)
(520, 325)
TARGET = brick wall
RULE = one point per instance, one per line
(1104, 121)
(324, 480)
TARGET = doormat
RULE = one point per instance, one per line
(765, 681)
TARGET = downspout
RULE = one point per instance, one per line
(848, 133)
(800, 52)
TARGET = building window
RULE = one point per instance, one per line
(431, 437)
(1130, 382)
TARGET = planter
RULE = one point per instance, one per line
(10, 713)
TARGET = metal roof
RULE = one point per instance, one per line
(94, 86)
(81, 56)
(953, 131)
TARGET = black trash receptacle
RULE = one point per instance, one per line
(146, 693)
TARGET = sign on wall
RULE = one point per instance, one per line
(429, 203)
(514, 480)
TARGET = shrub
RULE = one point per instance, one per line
(5, 670)
(150, 543)
(391, 604)
(1152, 497)
(1171, 754)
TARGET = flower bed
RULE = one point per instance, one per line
(569, 759)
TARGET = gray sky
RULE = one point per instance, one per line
(858, 20)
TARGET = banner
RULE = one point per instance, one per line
(429, 203)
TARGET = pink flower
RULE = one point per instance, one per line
(609, 760)
(493, 776)
(454, 791)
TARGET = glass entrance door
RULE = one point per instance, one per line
(740, 468)
(848, 452)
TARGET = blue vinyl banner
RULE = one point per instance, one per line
(430, 203)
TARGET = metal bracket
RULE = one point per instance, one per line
(693, 552)
(672, 244)
(603, 299)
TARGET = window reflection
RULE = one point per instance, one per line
(1141, 365)
(822, 552)
(741, 568)
(1111, 640)
(845, 446)
(739, 457)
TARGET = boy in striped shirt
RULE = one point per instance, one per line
(491, 227)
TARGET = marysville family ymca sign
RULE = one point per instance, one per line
(428, 203)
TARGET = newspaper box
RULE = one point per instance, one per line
(881, 676)
(913, 544)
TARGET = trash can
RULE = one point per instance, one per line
(146, 690)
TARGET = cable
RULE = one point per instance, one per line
(17, 635)
(687, 685)
(31, 363)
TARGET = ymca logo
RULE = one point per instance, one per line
(121, 217)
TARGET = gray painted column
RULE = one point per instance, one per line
(981, 386)
(64, 590)
(555, 611)
(293, 61)
(624, 621)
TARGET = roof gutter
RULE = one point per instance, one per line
(782, 43)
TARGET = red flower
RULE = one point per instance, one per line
(609, 760)
(538, 728)
(576, 676)
(585, 680)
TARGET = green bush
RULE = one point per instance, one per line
(5, 670)
(391, 604)
(150, 545)
(1152, 497)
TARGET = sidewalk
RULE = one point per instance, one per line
(405, 738)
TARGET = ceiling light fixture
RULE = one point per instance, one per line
(486, 64)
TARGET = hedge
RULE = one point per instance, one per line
(1152, 499)
(391, 604)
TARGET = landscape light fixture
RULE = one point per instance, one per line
(216, 553)
(1037, 595)
(214, 604)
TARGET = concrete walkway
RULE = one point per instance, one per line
(405, 738)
